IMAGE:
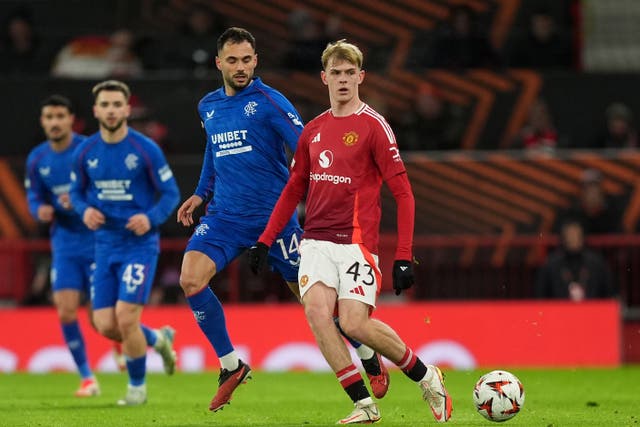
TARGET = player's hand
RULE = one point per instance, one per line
(65, 201)
(92, 218)
(402, 275)
(258, 257)
(139, 224)
(185, 212)
(45, 213)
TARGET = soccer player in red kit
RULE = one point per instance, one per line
(343, 156)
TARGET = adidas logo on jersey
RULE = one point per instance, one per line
(357, 290)
(316, 138)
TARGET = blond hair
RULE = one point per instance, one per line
(344, 51)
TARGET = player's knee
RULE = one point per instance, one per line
(106, 329)
(128, 325)
(351, 330)
(190, 284)
(351, 326)
(318, 315)
(67, 314)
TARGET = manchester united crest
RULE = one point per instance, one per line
(304, 280)
(350, 138)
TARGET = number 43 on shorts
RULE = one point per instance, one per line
(133, 276)
(358, 269)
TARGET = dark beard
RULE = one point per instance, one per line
(237, 88)
(59, 139)
(113, 128)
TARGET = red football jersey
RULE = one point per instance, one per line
(344, 161)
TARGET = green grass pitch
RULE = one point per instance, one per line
(554, 398)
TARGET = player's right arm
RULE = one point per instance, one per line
(91, 216)
(204, 190)
(288, 201)
(292, 193)
(39, 208)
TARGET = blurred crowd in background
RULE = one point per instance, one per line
(175, 39)
(155, 39)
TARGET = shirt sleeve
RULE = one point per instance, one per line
(293, 192)
(405, 201)
(204, 190)
(36, 191)
(165, 184)
(79, 182)
(385, 150)
(286, 121)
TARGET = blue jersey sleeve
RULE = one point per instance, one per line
(79, 182)
(36, 190)
(165, 184)
(207, 175)
(286, 121)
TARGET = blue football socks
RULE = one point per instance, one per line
(150, 335)
(75, 342)
(208, 312)
(137, 369)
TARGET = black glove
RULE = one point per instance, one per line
(258, 257)
(402, 275)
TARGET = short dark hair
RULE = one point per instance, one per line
(56, 100)
(236, 35)
(112, 86)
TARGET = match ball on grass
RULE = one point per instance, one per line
(498, 395)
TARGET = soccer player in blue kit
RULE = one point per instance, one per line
(124, 189)
(248, 126)
(47, 183)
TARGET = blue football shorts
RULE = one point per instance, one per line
(223, 241)
(71, 272)
(123, 276)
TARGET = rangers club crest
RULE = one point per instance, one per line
(350, 138)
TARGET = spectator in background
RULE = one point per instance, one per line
(98, 57)
(619, 131)
(543, 45)
(21, 49)
(574, 271)
(597, 211)
(432, 123)
(308, 40)
(192, 49)
(143, 120)
(463, 44)
(539, 135)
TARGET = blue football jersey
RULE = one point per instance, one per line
(245, 166)
(48, 175)
(121, 180)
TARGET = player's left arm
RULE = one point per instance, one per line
(286, 121)
(165, 184)
(401, 189)
(389, 162)
(388, 159)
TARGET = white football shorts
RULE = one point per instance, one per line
(350, 269)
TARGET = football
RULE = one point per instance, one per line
(498, 395)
